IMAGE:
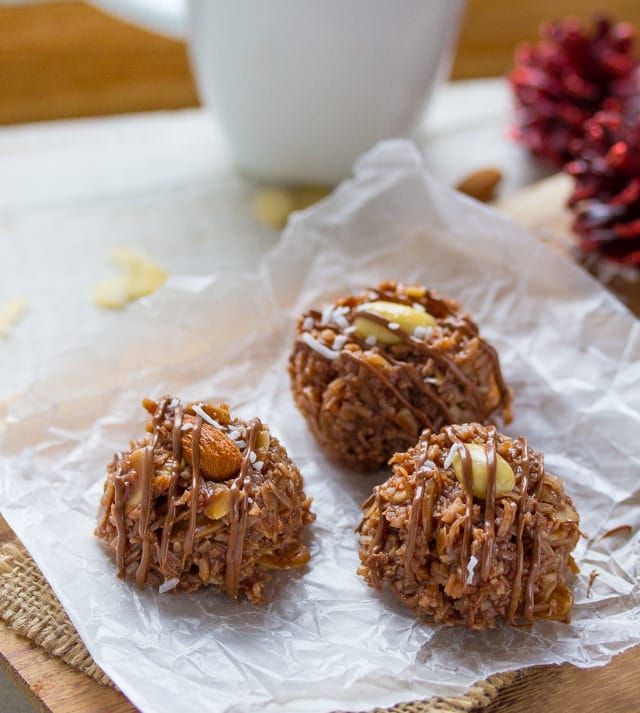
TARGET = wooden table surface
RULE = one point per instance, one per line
(68, 60)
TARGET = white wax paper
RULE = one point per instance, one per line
(325, 640)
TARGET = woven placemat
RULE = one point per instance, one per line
(29, 607)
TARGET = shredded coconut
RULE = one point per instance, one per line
(319, 347)
(371, 341)
(205, 417)
(417, 305)
(422, 332)
(451, 455)
(327, 314)
(186, 427)
(241, 444)
(350, 329)
(339, 342)
(471, 565)
(168, 585)
(234, 435)
(428, 465)
(393, 325)
(258, 465)
(307, 323)
(341, 321)
(252, 457)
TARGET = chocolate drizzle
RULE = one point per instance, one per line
(523, 506)
(461, 323)
(467, 486)
(420, 415)
(121, 537)
(489, 508)
(373, 560)
(145, 534)
(167, 527)
(195, 488)
(536, 555)
(438, 357)
(238, 514)
(145, 512)
(412, 528)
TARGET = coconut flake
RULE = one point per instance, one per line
(350, 330)
(319, 347)
(168, 585)
(186, 427)
(235, 435)
(307, 323)
(341, 321)
(428, 465)
(205, 417)
(252, 457)
(327, 314)
(418, 306)
(339, 342)
(471, 565)
(451, 455)
(258, 465)
(430, 380)
(422, 332)
(393, 325)
(340, 311)
(371, 341)
(241, 444)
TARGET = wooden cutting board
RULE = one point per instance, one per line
(54, 687)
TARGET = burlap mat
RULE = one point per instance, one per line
(29, 607)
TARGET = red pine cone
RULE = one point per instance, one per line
(567, 77)
(606, 196)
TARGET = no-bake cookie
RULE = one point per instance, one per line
(371, 371)
(203, 499)
(470, 528)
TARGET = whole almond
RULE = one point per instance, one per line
(481, 185)
(220, 457)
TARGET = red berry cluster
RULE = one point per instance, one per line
(563, 80)
(578, 105)
(606, 196)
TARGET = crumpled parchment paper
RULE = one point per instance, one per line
(324, 640)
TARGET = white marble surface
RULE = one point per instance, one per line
(57, 179)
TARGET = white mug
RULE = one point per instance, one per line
(303, 87)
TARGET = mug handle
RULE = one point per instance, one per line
(165, 17)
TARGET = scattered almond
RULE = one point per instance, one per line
(139, 276)
(409, 318)
(11, 313)
(219, 502)
(220, 457)
(481, 185)
(274, 204)
(298, 556)
(504, 481)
